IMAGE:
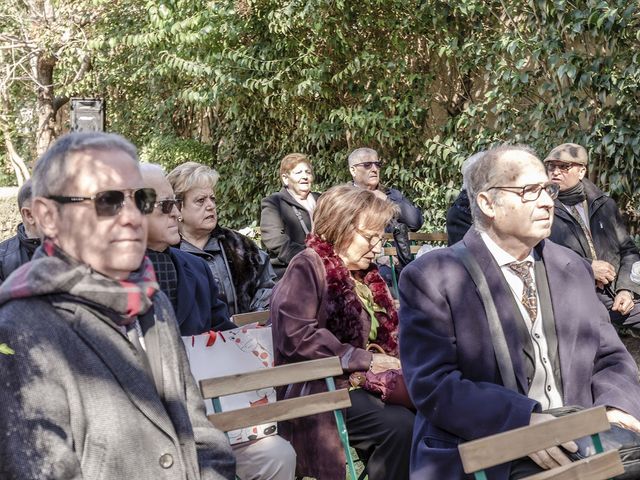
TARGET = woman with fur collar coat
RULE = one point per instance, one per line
(332, 301)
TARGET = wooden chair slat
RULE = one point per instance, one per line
(242, 319)
(504, 447)
(272, 377)
(597, 467)
(281, 410)
(428, 237)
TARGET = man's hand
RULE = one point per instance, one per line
(603, 271)
(553, 456)
(382, 363)
(623, 302)
(623, 419)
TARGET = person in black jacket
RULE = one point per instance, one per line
(19, 249)
(589, 222)
(286, 216)
(459, 219)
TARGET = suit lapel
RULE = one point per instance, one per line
(559, 273)
(185, 282)
(510, 317)
(121, 359)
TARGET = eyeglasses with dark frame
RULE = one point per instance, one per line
(368, 165)
(166, 206)
(564, 167)
(374, 240)
(110, 202)
(531, 193)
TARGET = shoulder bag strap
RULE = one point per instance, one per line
(300, 219)
(503, 358)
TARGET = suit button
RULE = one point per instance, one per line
(166, 460)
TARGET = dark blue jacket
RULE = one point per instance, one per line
(199, 309)
(449, 363)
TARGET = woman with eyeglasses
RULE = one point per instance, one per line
(241, 270)
(332, 301)
(286, 216)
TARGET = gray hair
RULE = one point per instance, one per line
(489, 171)
(50, 173)
(24, 194)
(360, 155)
(467, 164)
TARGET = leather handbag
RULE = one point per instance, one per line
(388, 384)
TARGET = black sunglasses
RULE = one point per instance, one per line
(167, 205)
(110, 202)
(368, 165)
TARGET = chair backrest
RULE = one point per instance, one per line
(242, 319)
(332, 400)
(483, 453)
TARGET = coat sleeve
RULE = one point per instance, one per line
(35, 430)
(428, 351)
(628, 255)
(265, 283)
(297, 334)
(215, 457)
(219, 312)
(272, 229)
(410, 215)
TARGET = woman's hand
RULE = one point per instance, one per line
(382, 362)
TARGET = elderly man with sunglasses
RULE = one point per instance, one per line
(99, 385)
(472, 372)
(589, 222)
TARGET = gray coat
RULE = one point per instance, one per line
(77, 402)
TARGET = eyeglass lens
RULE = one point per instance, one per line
(369, 165)
(563, 167)
(110, 202)
(167, 205)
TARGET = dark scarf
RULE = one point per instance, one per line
(344, 306)
(52, 271)
(573, 195)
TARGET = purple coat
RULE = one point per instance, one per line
(449, 365)
(299, 327)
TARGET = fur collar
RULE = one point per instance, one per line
(344, 306)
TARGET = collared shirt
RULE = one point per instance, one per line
(542, 387)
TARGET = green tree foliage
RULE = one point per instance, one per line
(426, 83)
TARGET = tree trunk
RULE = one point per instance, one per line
(45, 134)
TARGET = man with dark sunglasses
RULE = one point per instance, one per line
(365, 167)
(589, 222)
(185, 279)
(99, 385)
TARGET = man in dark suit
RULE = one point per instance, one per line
(562, 347)
(185, 279)
(188, 282)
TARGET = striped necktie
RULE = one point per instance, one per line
(587, 233)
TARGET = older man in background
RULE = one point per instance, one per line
(19, 249)
(555, 346)
(99, 385)
(589, 222)
(189, 284)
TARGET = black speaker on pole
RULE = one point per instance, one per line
(87, 115)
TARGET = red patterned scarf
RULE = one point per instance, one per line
(52, 271)
(344, 306)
